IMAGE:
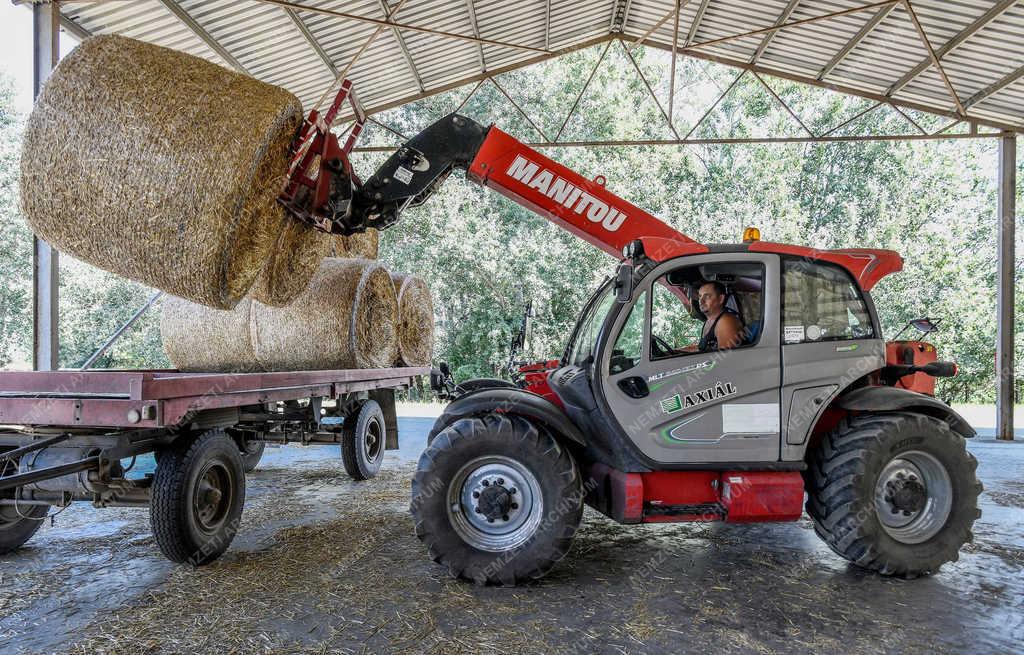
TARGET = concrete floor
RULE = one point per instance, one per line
(323, 564)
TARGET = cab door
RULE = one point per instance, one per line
(683, 407)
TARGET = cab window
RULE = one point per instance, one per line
(629, 344)
(677, 321)
(821, 302)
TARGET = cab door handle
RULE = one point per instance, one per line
(634, 387)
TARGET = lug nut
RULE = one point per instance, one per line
(505, 517)
(477, 510)
(486, 483)
(515, 505)
(512, 491)
(906, 512)
(501, 481)
(476, 494)
(490, 520)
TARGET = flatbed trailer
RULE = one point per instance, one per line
(64, 436)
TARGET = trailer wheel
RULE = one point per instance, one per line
(363, 436)
(198, 493)
(895, 493)
(18, 525)
(251, 452)
(496, 499)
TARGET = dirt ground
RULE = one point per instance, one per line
(326, 565)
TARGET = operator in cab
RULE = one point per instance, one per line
(722, 328)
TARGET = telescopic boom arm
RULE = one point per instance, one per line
(497, 160)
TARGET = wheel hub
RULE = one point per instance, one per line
(913, 497)
(495, 503)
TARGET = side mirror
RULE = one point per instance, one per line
(624, 283)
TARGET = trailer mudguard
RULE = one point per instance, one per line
(888, 399)
(509, 401)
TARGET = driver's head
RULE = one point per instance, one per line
(711, 297)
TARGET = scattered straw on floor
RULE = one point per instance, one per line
(415, 320)
(159, 166)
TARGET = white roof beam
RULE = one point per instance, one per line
(201, 32)
(867, 29)
(766, 41)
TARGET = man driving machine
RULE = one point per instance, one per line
(722, 327)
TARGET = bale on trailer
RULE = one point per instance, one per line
(201, 339)
(159, 166)
(415, 320)
(296, 258)
(345, 318)
(361, 245)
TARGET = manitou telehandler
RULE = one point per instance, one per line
(644, 426)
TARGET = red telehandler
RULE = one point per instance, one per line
(644, 422)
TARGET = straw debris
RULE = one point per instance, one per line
(159, 166)
(415, 320)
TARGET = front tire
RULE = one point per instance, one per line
(496, 499)
(198, 493)
(894, 493)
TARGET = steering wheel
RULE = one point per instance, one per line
(660, 347)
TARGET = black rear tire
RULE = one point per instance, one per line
(18, 526)
(849, 470)
(251, 452)
(448, 522)
(198, 493)
(363, 438)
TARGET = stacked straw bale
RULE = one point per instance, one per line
(206, 340)
(415, 320)
(159, 166)
(295, 260)
(345, 318)
(361, 245)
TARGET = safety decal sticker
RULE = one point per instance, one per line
(793, 333)
(660, 378)
(680, 402)
(403, 175)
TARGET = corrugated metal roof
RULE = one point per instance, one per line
(397, 51)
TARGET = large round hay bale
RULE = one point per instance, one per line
(159, 166)
(198, 338)
(361, 245)
(345, 318)
(415, 320)
(296, 258)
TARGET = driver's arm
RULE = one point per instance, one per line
(729, 332)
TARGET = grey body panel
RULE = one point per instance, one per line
(740, 419)
(816, 371)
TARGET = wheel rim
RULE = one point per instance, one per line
(213, 496)
(373, 443)
(913, 497)
(495, 503)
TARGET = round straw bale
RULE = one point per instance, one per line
(159, 166)
(295, 260)
(361, 245)
(415, 320)
(345, 318)
(201, 339)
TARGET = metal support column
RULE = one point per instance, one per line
(1006, 210)
(45, 270)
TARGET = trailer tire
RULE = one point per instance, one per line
(17, 527)
(474, 531)
(198, 493)
(363, 438)
(251, 452)
(895, 493)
